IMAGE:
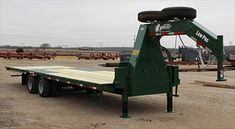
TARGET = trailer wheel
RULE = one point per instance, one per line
(179, 13)
(150, 16)
(54, 88)
(43, 87)
(32, 84)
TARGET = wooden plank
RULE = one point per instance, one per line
(98, 77)
(41, 67)
(210, 84)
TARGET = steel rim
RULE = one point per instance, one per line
(30, 84)
(40, 86)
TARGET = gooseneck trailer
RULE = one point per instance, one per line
(145, 73)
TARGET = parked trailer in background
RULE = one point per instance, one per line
(4, 54)
(231, 59)
(27, 55)
(85, 55)
(98, 55)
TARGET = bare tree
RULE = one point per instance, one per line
(45, 45)
(19, 50)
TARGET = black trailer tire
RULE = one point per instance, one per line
(150, 16)
(43, 87)
(179, 13)
(54, 88)
(32, 84)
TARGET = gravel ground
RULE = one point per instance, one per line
(198, 107)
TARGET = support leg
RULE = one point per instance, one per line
(220, 68)
(124, 104)
(176, 92)
(170, 101)
(24, 78)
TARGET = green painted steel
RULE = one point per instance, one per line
(197, 32)
(149, 75)
(146, 72)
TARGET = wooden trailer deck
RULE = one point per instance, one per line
(74, 73)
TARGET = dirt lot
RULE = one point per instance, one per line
(198, 107)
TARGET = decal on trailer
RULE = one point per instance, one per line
(159, 27)
(135, 52)
(202, 36)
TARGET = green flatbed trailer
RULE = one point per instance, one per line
(145, 73)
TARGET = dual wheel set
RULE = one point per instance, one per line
(48, 88)
(166, 14)
(43, 87)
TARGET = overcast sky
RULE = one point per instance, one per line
(95, 23)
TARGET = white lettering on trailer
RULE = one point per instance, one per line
(202, 36)
(159, 27)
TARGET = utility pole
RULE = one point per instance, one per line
(101, 44)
